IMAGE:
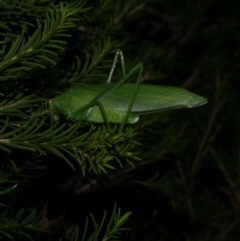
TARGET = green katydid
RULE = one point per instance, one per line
(122, 102)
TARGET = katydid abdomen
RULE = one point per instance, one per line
(77, 103)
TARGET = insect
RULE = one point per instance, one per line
(122, 102)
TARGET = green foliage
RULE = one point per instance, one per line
(36, 51)
(18, 225)
(91, 150)
(22, 128)
(114, 227)
(34, 48)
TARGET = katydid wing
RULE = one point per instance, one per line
(149, 99)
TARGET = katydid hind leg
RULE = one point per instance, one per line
(106, 93)
(92, 105)
(118, 52)
(88, 109)
(138, 68)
